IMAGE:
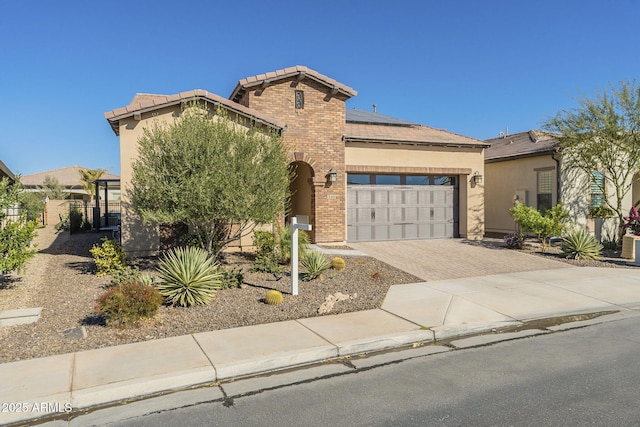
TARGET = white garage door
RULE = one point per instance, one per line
(390, 212)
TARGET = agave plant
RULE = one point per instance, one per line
(188, 276)
(315, 264)
(579, 244)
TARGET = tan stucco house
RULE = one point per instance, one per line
(526, 167)
(360, 175)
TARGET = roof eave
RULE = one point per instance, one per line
(7, 171)
(408, 142)
(115, 119)
(520, 156)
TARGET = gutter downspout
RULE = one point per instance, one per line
(558, 179)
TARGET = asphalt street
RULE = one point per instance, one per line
(581, 377)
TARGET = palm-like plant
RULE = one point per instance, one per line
(579, 244)
(188, 276)
(87, 176)
(284, 244)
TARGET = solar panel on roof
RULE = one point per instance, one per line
(362, 116)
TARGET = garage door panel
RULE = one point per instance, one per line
(363, 215)
(381, 197)
(411, 197)
(397, 214)
(381, 232)
(410, 230)
(381, 215)
(411, 214)
(384, 212)
(396, 232)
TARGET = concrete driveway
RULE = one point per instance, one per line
(440, 259)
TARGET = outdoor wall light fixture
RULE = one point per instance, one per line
(332, 176)
(477, 178)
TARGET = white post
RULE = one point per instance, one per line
(294, 252)
(294, 256)
(637, 252)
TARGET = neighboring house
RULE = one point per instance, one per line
(69, 178)
(526, 167)
(360, 175)
(6, 172)
(12, 212)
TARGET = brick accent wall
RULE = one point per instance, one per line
(313, 135)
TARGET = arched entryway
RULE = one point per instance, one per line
(301, 190)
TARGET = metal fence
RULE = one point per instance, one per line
(105, 215)
(10, 214)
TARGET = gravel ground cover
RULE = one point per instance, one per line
(61, 279)
(609, 258)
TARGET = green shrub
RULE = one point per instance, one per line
(273, 297)
(64, 222)
(75, 219)
(338, 263)
(579, 244)
(315, 264)
(127, 303)
(33, 204)
(602, 211)
(15, 244)
(284, 244)
(86, 225)
(266, 259)
(131, 274)
(125, 275)
(232, 278)
(188, 276)
(551, 224)
(108, 256)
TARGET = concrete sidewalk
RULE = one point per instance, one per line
(413, 313)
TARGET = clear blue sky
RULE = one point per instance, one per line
(471, 67)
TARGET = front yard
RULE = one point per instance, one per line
(61, 279)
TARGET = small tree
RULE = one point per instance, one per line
(603, 134)
(52, 188)
(551, 224)
(15, 235)
(32, 203)
(218, 176)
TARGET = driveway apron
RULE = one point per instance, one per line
(441, 259)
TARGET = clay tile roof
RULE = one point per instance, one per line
(288, 73)
(144, 102)
(68, 176)
(414, 134)
(523, 144)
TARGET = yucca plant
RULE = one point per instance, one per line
(188, 276)
(579, 244)
(315, 264)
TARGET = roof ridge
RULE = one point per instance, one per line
(289, 72)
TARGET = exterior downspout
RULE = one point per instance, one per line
(558, 178)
